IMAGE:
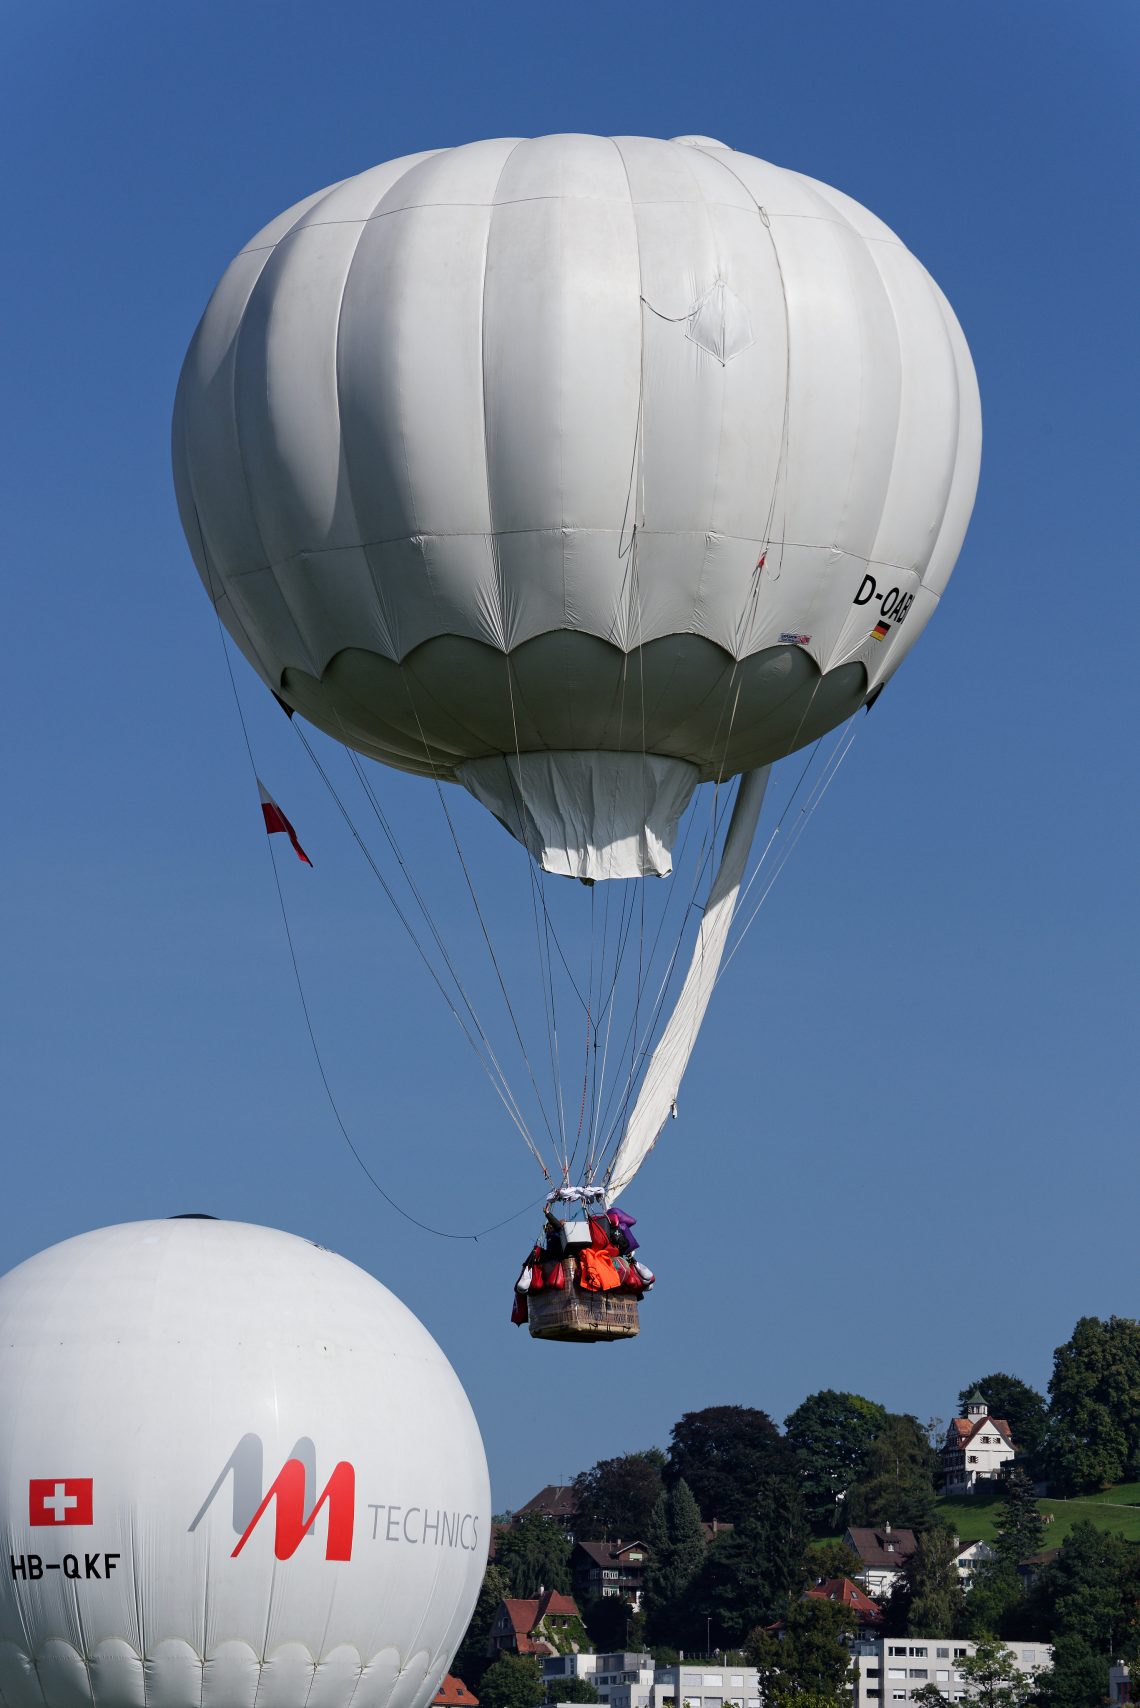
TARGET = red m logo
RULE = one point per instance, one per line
(288, 1490)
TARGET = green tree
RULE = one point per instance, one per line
(675, 1543)
(471, 1658)
(993, 1673)
(1022, 1407)
(572, 1689)
(749, 1571)
(616, 1498)
(831, 1433)
(725, 1454)
(514, 1681)
(1020, 1526)
(612, 1624)
(810, 1666)
(934, 1599)
(533, 1554)
(995, 1601)
(1090, 1592)
(1078, 1677)
(1093, 1438)
(897, 1484)
(829, 1559)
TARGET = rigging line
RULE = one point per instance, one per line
(557, 1052)
(478, 911)
(610, 1009)
(518, 1121)
(501, 1085)
(623, 929)
(616, 1118)
(704, 858)
(609, 1118)
(425, 1227)
(806, 812)
(545, 977)
(367, 787)
(589, 1032)
(647, 1037)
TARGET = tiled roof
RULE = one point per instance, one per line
(607, 1553)
(848, 1594)
(967, 1427)
(553, 1602)
(886, 1549)
(556, 1500)
(523, 1615)
(453, 1693)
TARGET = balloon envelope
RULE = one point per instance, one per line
(578, 470)
(234, 1465)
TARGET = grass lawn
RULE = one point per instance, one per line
(975, 1517)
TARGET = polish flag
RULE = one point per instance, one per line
(275, 821)
(60, 1500)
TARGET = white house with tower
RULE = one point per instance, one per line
(977, 1447)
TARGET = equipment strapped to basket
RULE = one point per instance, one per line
(581, 1281)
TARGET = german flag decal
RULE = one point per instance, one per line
(881, 630)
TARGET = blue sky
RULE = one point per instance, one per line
(907, 1149)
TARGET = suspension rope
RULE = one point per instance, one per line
(490, 1064)
(820, 788)
(478, 910)
(545, 976)
(393, 1203)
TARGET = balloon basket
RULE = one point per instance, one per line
(568, 1314)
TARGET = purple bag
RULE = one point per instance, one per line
(625, 1222)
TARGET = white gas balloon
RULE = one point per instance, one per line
(577, 470)
(233, 1467)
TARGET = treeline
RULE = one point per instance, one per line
(843, 1459)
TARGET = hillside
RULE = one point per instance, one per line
(974, 1517)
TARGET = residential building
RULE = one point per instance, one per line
(891, 1669)
(453, 1693)
(533, 1627)
(883, 1553)
(969, 1557)
(557, 1501)
(977, 1446)
(608, 1568)
(1028, 1569)
(867, 1613)
(623, 1680)
(705, 1685)
(1120, 1685)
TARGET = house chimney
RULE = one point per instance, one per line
(887, 1527)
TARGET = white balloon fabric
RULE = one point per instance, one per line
(577, 446)
(233, 1468)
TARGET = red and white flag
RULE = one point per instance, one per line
(275, 821)
(60, 1500)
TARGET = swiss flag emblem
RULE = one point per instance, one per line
(60, 1500)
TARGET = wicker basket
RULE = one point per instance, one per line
(569, 1314)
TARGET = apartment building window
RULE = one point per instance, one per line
(942, 1654)
(918, 1672)
(919, 1654)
